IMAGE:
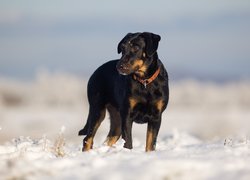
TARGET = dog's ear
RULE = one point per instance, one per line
(119, 48)
(152, 41)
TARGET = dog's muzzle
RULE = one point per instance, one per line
(123, 68)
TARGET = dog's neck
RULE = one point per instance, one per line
(148, 73)
(152, 68)
(148, 70)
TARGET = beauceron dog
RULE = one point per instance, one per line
(133, 88)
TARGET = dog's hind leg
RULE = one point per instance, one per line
(115, 125)
(95, 118)
(84, 131)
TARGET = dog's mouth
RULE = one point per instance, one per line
(126, 69)
(123, 69)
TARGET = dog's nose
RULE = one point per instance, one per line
(119, 66)
(122, 68)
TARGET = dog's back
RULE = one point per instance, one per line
(104, 84)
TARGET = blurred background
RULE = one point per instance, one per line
(48, 50)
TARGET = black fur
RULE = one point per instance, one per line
(113, 86)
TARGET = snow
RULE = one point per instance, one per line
(178, 156)
(204, 134)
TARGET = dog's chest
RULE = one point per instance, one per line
(145, 104)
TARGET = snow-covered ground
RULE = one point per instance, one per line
(205, 133)
(178, 156)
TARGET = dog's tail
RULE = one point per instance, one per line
(83, 131)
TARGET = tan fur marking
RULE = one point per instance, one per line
(132, 102)
(98, 123)
(142, 70)
(88, 144)
(149, 141)
(137, 63)
(159, 105)
(112, 140)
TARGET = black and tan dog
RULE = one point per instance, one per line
(132, 89)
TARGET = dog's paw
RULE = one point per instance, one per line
(128, 145)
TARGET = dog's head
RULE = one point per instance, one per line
(137, 50)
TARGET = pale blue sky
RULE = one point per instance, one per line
(203, 39)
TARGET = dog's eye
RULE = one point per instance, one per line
(136, 48)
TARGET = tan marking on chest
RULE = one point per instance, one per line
(159, 104)
(132, 102)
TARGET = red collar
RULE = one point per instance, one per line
(145, 82)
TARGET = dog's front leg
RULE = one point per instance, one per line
(127, 133)
(152, 133)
